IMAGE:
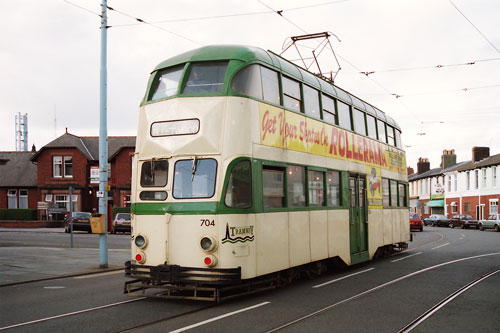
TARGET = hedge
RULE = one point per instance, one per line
(117, 210)
(18, 214)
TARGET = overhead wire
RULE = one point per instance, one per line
(475, 27)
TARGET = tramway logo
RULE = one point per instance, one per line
(238, 234)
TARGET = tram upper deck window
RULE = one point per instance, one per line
(399, 144)
(359, 121)
(291, 94)
(259, 82)
(248, 82)
(390, 135)
(344, 115)
(205, 78)
(381, 131)
(166, 83)
(328, 109)
(270, 85)
(311, 102)
(371, 123)
(154, 173)
(194, 178)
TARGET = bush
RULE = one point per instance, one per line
(117, 210)
(18, 214)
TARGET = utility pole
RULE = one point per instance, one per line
(103, 140)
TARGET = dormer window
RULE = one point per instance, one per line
(62, 166)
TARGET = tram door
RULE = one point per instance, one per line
(358, 227)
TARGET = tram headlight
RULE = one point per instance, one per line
(208, 243)
(140, 241)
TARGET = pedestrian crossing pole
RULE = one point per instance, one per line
(103, 140)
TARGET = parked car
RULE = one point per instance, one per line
(437, 220)
(416, 222)
(81, 222)
(121, 223)
(492, 222)
(463, 221)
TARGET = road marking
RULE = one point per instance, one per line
(437, 247)
(98, 274)
(219, 317)
(341, 278)
(411, 255)
(70, 314)
(54, 287)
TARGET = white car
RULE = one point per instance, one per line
(121, 223)
(492, 222)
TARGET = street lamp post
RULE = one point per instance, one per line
(103, 140)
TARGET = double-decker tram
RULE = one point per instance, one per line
(249, 169)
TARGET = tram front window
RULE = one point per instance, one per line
(194, 178)
(154, 173)
(167, 83)
(206, 78)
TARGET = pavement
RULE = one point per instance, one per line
(26, 264)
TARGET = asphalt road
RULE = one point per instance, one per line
(384, 295)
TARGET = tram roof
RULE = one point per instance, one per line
(252, 54)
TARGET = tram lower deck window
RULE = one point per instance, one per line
(273, 187)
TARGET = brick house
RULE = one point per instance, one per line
(73, 161)
(473, 187)
(470, 187)
(18, 180)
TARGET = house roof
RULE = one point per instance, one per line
(489, 161)
(17, 170)
(89, 145)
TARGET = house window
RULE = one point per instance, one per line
(494, 177)
(449, 183)
(454, 207)
(476, 179)
(12, 199)
(467, 180)
(68, 166)
(48, 197)
(57, 166)
(62, 201)
(59, 169)
(467, 207)
(127, 200)
(455, 182)
(494, 206)
(23, 199)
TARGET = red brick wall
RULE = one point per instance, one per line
(3, 198)
(32, 197)
(121, 168)
(473, 201)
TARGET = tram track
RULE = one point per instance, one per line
(427, 314)
(386, 284)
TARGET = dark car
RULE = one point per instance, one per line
(416, 222)
(463, 221)
(121, 223)
(81, 222)
(437, 220)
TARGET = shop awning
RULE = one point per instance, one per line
(435, 203)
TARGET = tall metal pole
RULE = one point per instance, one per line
(103, 140)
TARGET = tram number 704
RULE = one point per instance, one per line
(207, 223)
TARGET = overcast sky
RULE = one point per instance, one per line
(50, 58)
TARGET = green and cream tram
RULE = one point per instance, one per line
(248, 165)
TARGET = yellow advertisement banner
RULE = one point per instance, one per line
(290, 130)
